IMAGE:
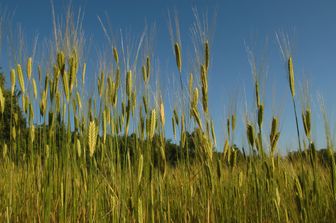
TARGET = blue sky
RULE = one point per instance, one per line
(311, 24)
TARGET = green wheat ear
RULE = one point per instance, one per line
(2, 101)
(144, 74)
(291, 76)
(140, 169)
(275, 134)
(152, 124)
(128, 83)
(116, 56)
(162, 114)
(306, 119)
(207, 54)
(233, 122)
(78, 148)
(29, 67)
(61, 61)
(260, 115)
(178, 56)
(34, 88)
(250, 134)
(92, 137)
(21, 78)
(13, 80)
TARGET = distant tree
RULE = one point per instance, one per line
(12, 112)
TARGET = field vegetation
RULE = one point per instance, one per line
(70, 155)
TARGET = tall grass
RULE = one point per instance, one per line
(103, 155)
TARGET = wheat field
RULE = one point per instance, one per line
(70, 155)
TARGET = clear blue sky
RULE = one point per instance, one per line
(238, 23)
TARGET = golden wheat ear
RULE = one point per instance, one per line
(29, 67)
(92, 137)
(21, 78)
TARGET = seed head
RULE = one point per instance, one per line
(250, 134)
(116, 56)
(29, 68)
(260, 115)
(2, 102)
(21, 79)
(178, 56)
(13, 80)
(92, 137)
(61, 61)
(207, 54)
(291, 76)
(128, 83)
(148, 67)
(34, 88)
(162, 114)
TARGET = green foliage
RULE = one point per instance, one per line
(12, 112)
